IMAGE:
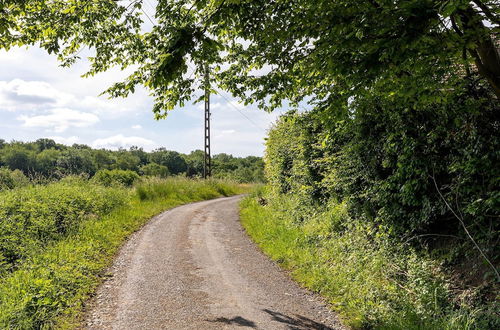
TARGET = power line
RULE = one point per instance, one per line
(149, 18)
(150, 5)
(241, 113)
(229, 102)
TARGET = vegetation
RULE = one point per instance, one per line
(393, 214)
(320, 50)
(44, 159)
(374, 281)
(56, 240)
(385, 190)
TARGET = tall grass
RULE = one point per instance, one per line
(371, 281)
(49, 284)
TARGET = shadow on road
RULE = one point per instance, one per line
(297, 322)
(238, 320)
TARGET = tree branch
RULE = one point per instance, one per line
(487, 12)
(465, 228)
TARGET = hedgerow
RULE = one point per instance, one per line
(407, 196)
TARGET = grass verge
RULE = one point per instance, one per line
(373, 283)
(48, 286)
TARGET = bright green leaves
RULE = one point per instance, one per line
(268, 52)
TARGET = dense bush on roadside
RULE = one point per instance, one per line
(32, 217)
(397, 166)
(11, 179)
(423, 180)
(115, 177)
(56, 240)
(373, 281)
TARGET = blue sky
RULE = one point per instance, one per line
(40, 99)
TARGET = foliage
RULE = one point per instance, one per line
(374, 282)
(170, 159)
(46, 160)
(12, 179)
(35, 216)
(322, 51)
(114, 177)
(153, 169)
(62, 270)
(248, 169)
(391, 167)
(399, 197)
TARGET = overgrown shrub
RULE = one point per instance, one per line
(12, 179)
(373, 281)
(115, 177)
(32, 217)
(398, 166)
(153, 169)
(424, 179)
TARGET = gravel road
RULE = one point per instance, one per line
(194, 267)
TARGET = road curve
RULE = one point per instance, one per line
(194, 267)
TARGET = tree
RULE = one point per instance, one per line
(76, 161)
(195, 163)
(324, 51)
(46, 161)
(125, 160)
(43, 144)
(139, 152)
(104, 159)
(171, 159)
(18, 157)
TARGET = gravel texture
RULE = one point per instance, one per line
(194, 267)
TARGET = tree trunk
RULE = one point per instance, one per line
(486, 54)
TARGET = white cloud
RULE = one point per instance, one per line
(60, 119)
(117, 141)
(21, 95)
(136, 127)
(18, 94)
(237, 104)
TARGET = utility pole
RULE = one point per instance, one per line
(207, 164)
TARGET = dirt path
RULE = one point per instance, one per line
(194, 267)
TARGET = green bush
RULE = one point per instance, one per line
(153, 169)
(373, 282)
(48, 289)
(405, 176)
(35, 216)
(12, 179)
(397, 166)
(115, 177)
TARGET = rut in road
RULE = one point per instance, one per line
(194, 267)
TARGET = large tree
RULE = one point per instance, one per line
(327, 52)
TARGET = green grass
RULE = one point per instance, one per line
(47, 286)
(370, 281)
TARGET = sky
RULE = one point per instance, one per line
(40, 99)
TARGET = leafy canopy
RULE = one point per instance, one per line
(326, 52)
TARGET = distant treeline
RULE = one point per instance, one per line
(45, 158)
